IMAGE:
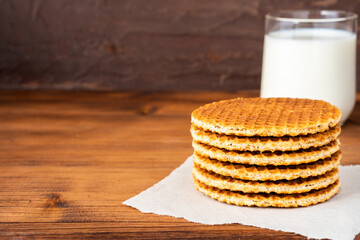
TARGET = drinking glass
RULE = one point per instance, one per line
(311, 54)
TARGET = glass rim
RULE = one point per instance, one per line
(279, 16)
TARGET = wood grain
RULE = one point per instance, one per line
(139, 44)
(69, 159)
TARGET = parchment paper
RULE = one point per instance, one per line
(338, 218)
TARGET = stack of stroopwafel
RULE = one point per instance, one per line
(267, 152)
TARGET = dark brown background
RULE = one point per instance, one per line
(138, 44)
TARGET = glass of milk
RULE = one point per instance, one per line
(311, 54)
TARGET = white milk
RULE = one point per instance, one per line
(311, 63)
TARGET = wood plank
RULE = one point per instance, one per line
(139, 44)
(69, 159)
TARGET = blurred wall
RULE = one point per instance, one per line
(138, 44)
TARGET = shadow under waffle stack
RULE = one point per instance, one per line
(267, 152)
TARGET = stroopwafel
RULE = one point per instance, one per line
(270, 173)
(274, 117)
(285, 143)
(269, 199)
(298, 185)
(274, 152)
(268, 158)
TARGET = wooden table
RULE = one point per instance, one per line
(69, 159)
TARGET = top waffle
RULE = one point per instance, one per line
(266, 116)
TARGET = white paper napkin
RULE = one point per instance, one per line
(338, 218)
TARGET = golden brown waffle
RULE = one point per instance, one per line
(268, 158)
(264, 173)
(274, 117)
(232, 142)
(269, 199)
(298, 185)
